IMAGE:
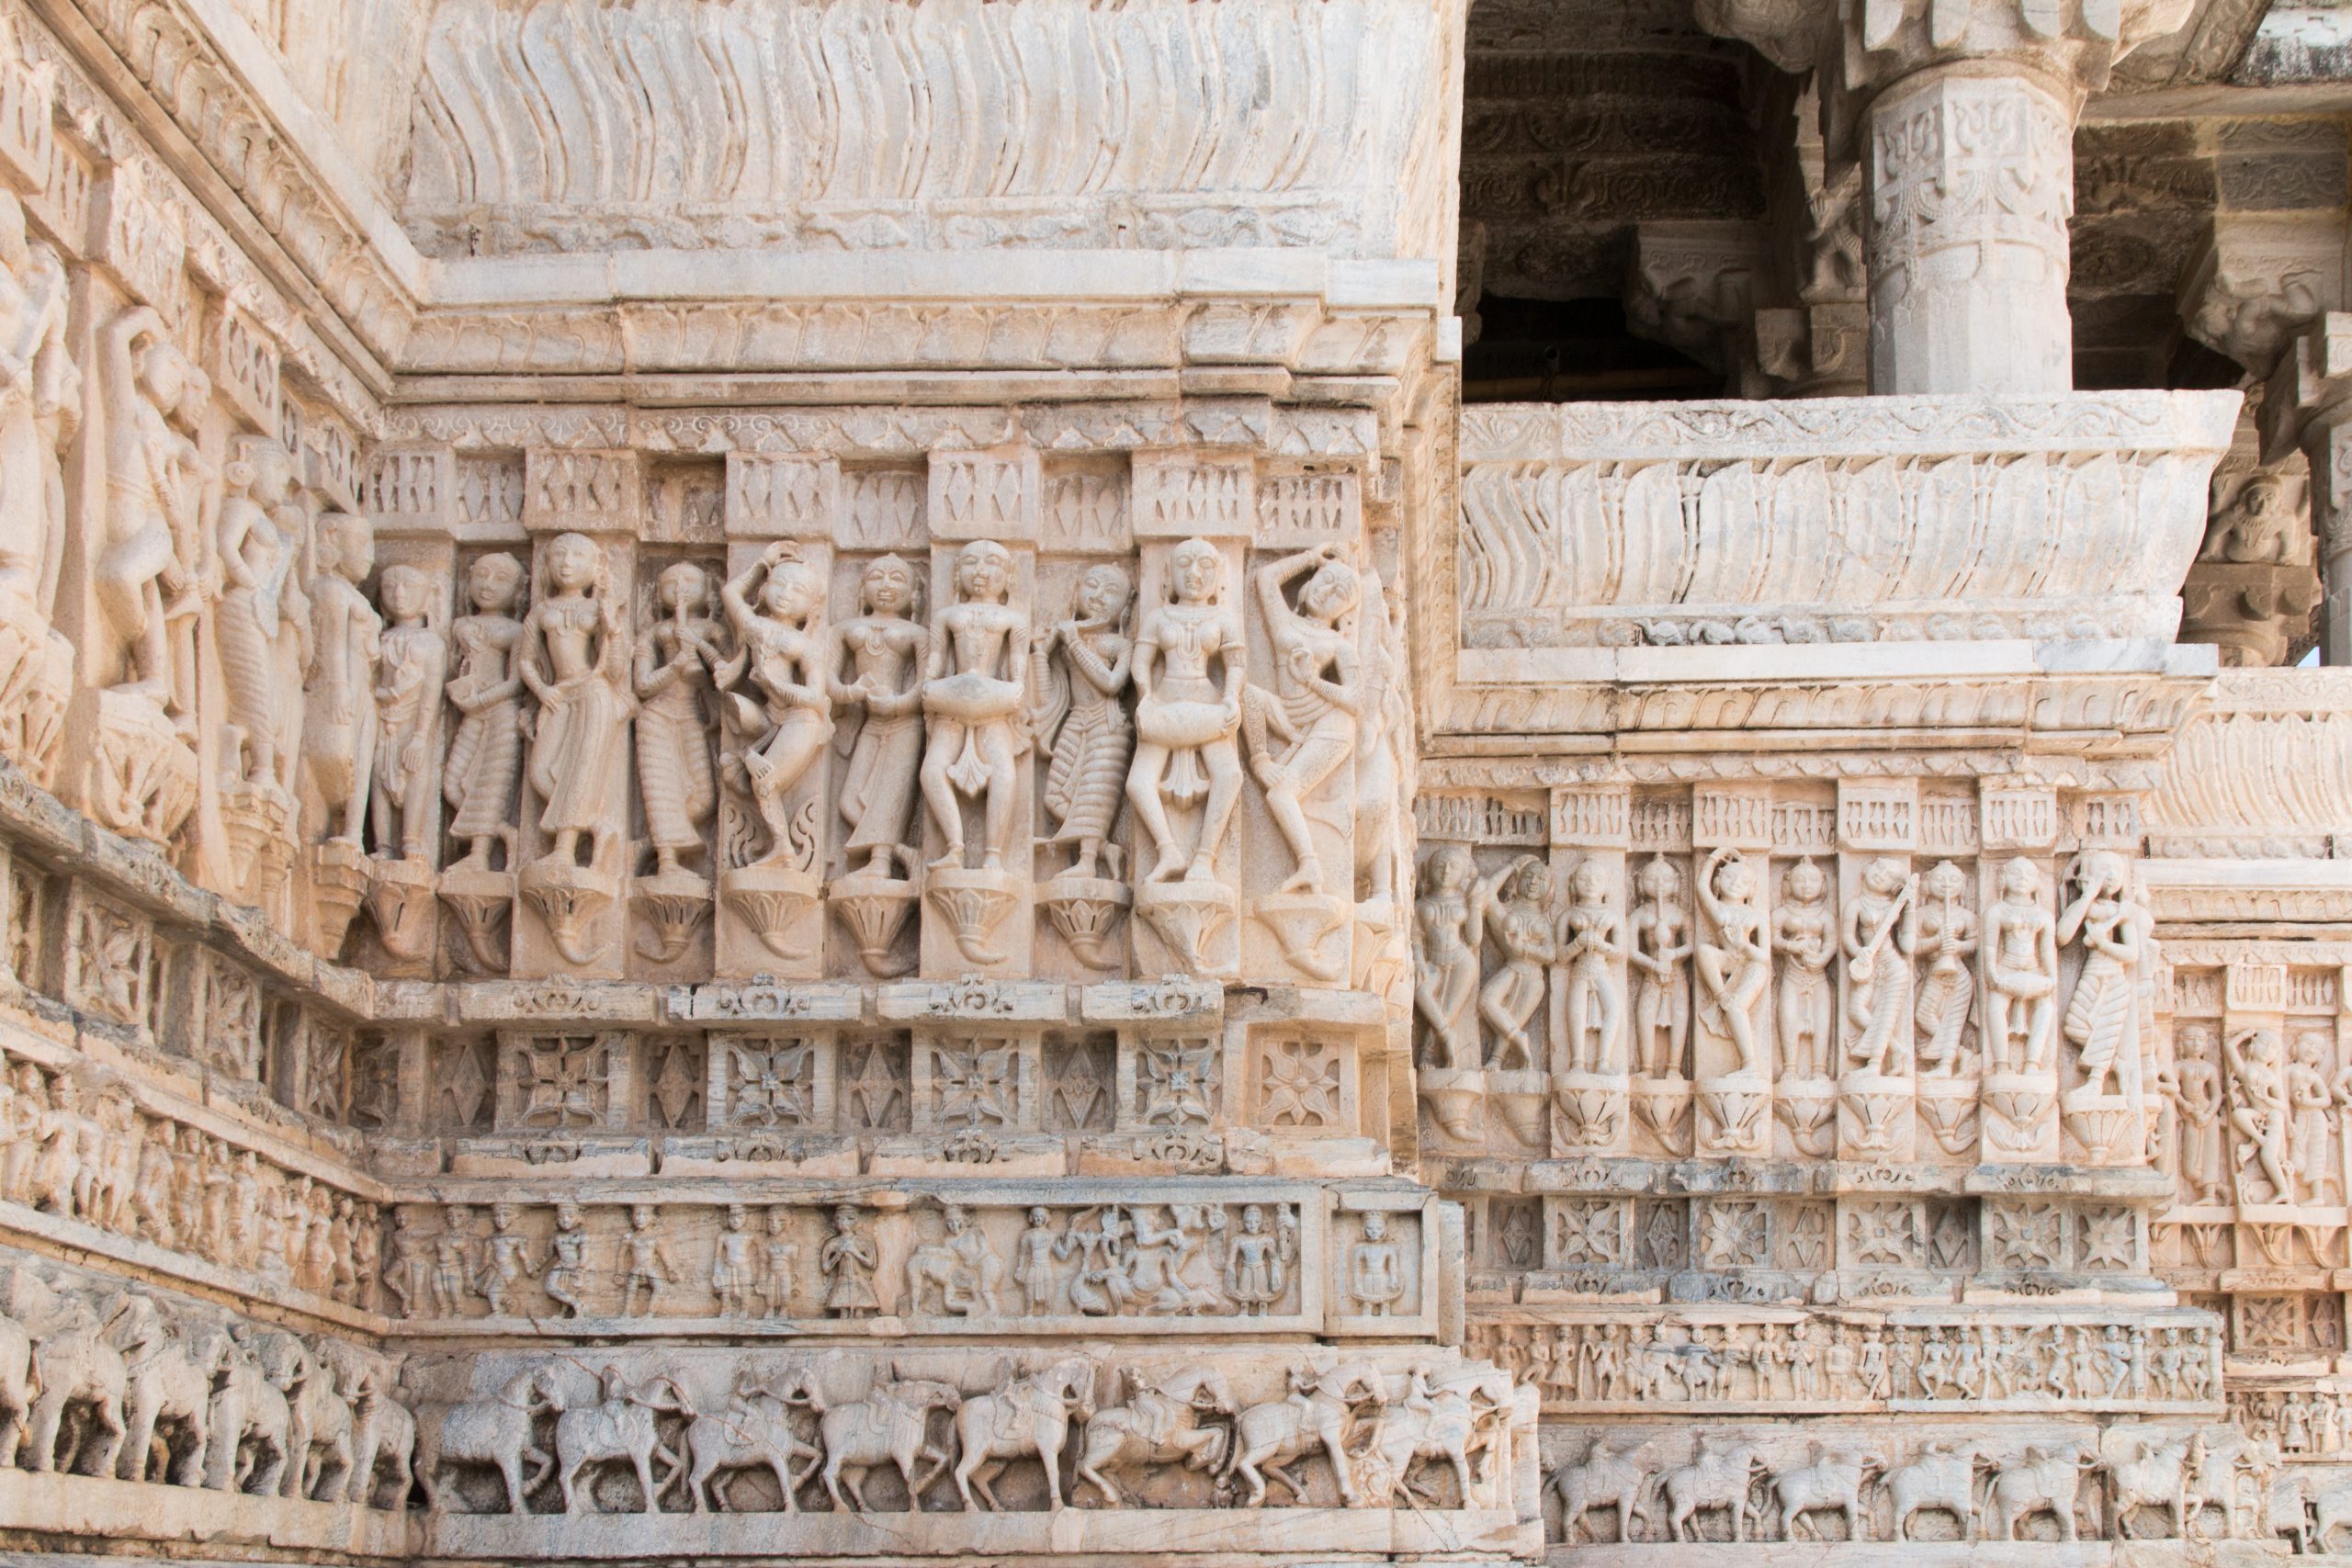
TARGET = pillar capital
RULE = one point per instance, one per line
(1868, 45)
(1962, 113)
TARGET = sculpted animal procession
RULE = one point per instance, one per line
(869, 782)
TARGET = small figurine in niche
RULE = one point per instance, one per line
(790, 728)
(1804, 935)
(477, 780)
(2312, 1132)
(1080, 720)
(2021, 981)
(677, 655)
(1737, 965)
(366, 1255)
(848, 1260)
(1375, 1269)
(645, 1263)
(407, 1267)
(566, 1281)
(143, 580)
(40, 386)
(1947, 939)
(506, 1260)
(732, 1279)
(1519, 920)
(1594, 938)
(972, 694)
(1033, 1264)
(1661, 944)
(408, 707)
(1185, 723)
(887, 648)
(2194, 1082)
(453, 1261)
(1254, 1263)
(782, 1261)
(1313, 713)
(573, 657)
(2254, 526)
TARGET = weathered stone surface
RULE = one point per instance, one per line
(782, 781)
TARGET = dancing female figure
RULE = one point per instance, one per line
(1737, 967)
(1521, 926)
(2102, 1016)
(676, 656)
(1661, 944)
(1318, 694)
(574, 658)
(790, 726)
(1947, 939)
(1185, 722)
(1080, 719)
(478, 779)
(883, 648)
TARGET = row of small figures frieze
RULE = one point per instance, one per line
(1878, 1288)
(1153, 1149)
(1816, 1366)
(1739, 1176)
(88, 1161)
(1214, 1261)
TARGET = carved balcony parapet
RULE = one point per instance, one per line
(2263, 772)
(1723, 540)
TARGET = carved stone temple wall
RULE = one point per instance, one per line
(790, 781)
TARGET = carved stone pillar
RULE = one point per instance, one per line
(1971, 182)
(1962, 115)
(2308, 403)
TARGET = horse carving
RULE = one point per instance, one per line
(1941, 1478)
(619, 1427)
(1610, 1477)
(885, 1427)
(1712, 1479)
(1272, 1436)
(754, 1430)
(494, 1431)
(1440, 1423)
(1831, 1484)
(1022, 1416)
(1160, 1424)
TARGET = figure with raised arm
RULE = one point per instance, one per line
(790, 726)
(1737, 967)
(1318, 694)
